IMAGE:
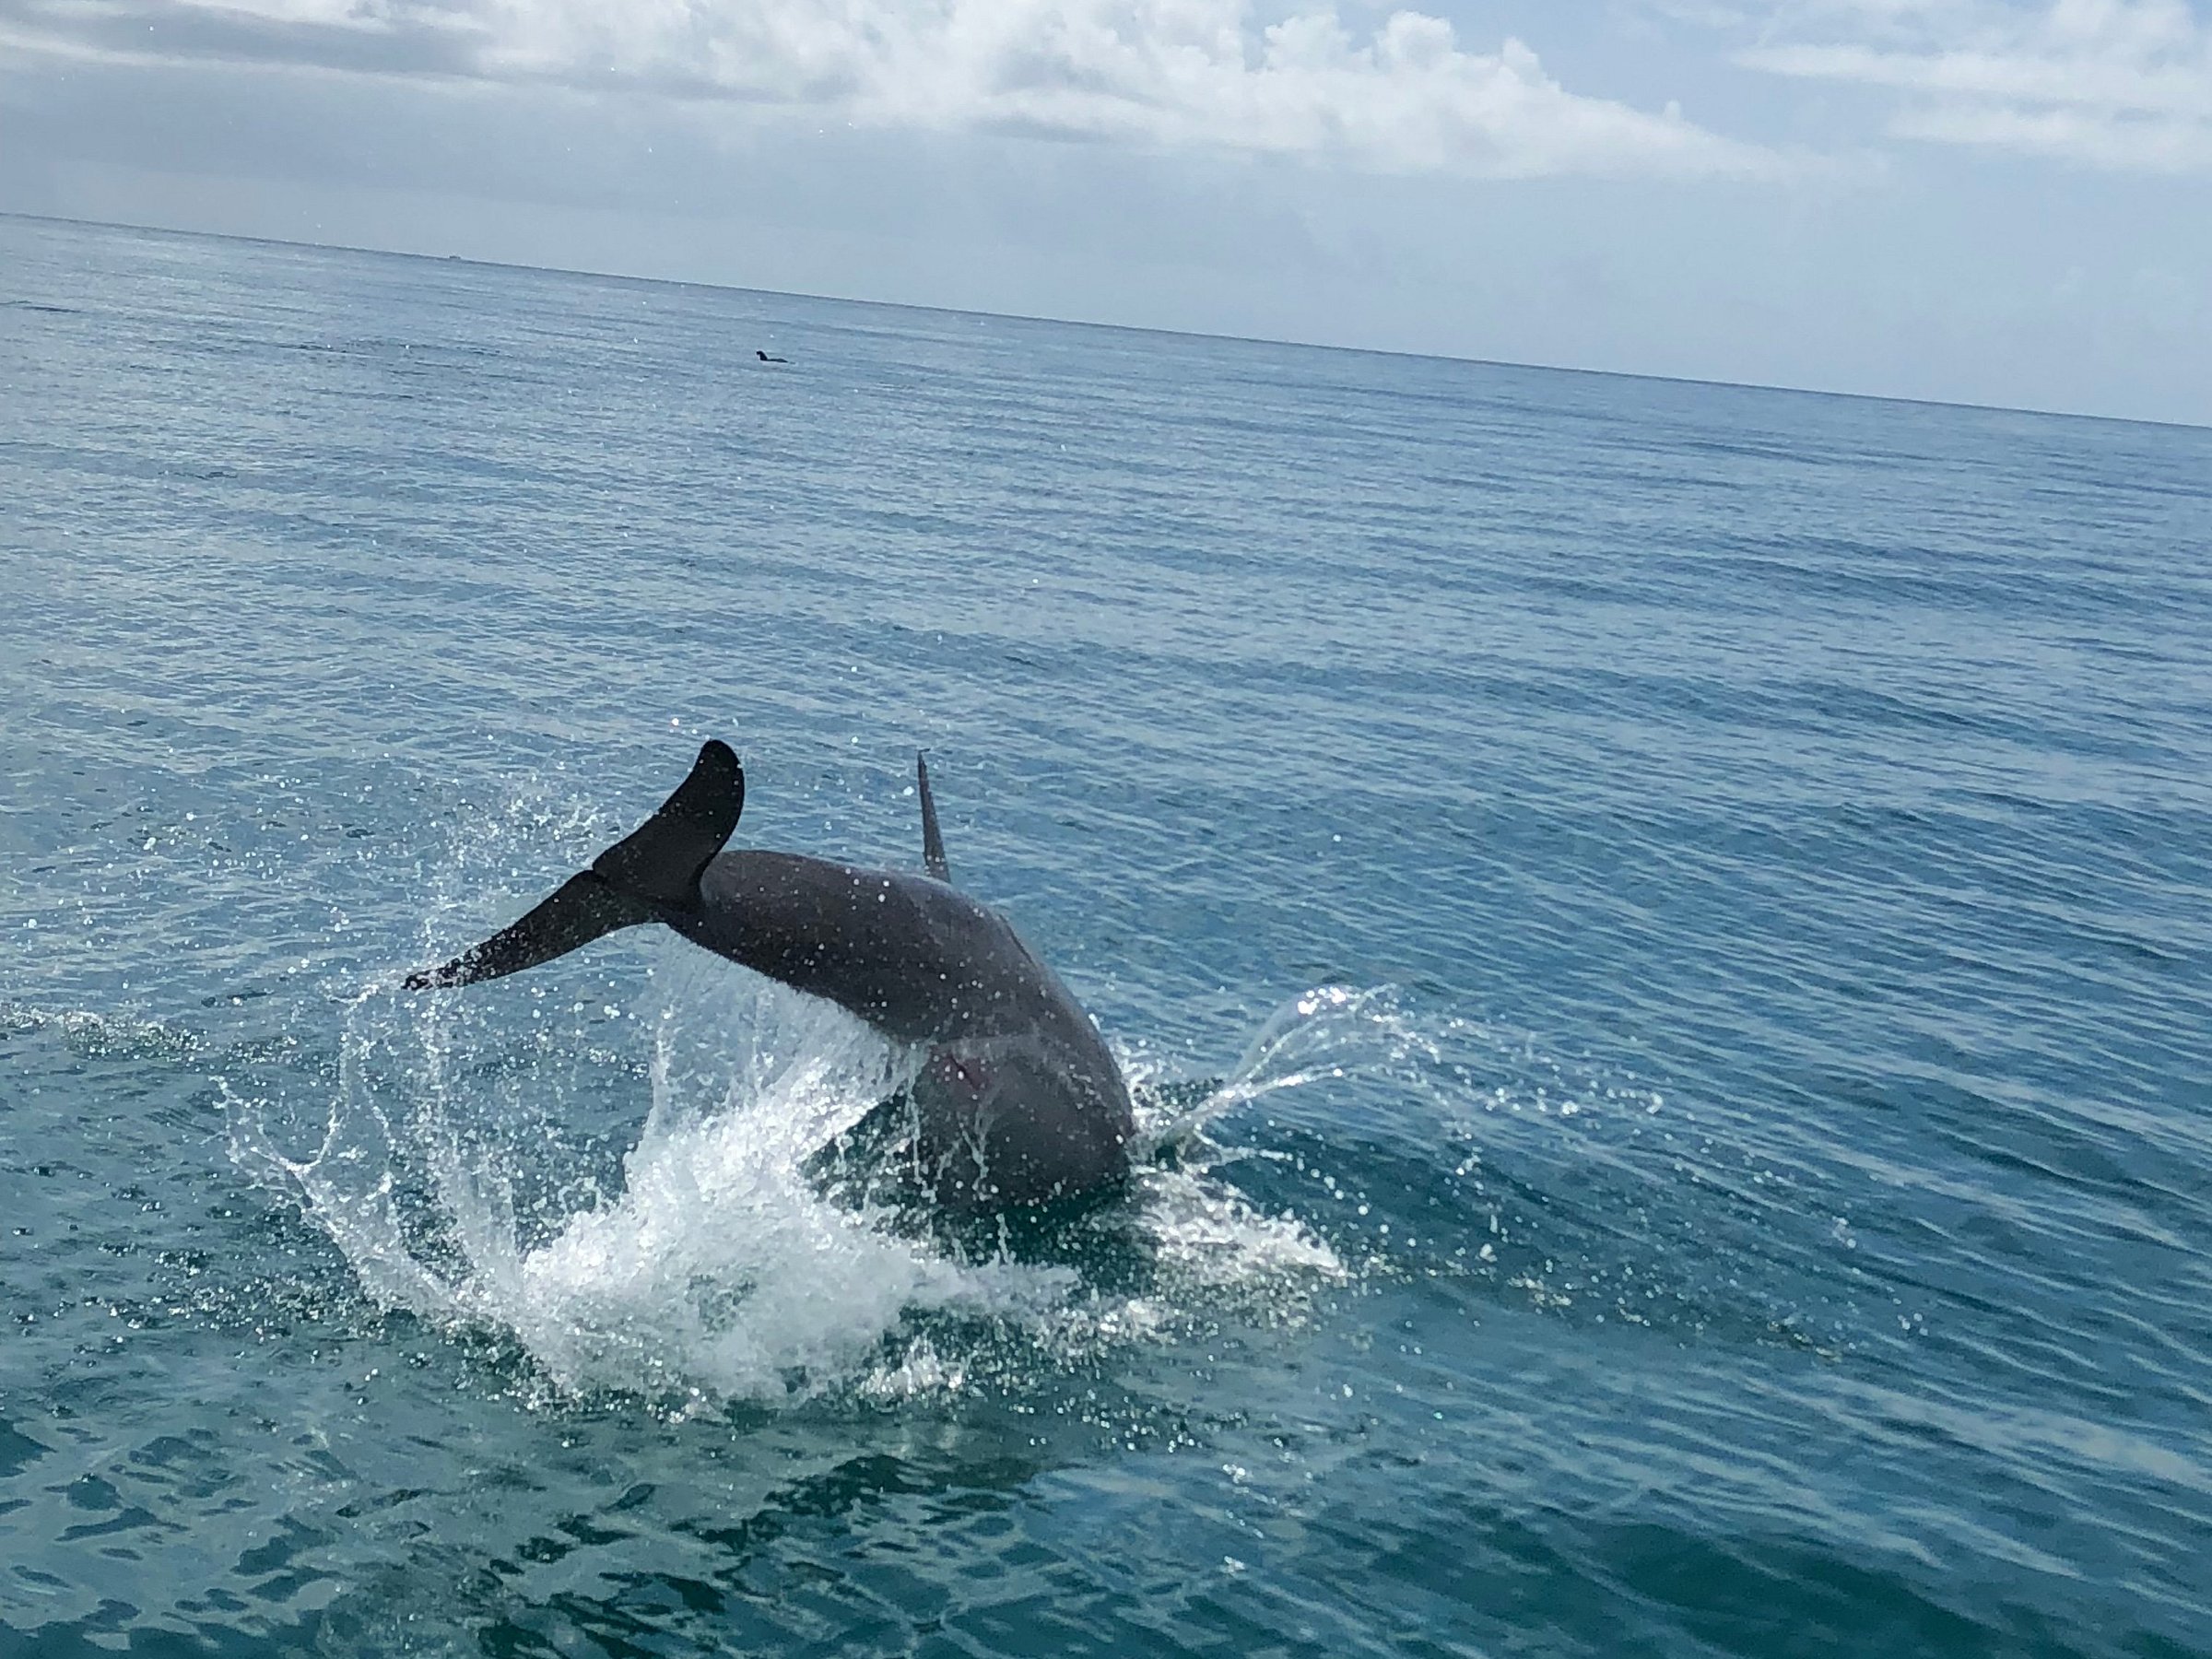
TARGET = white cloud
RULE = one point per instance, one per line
(1404, 96)
(2114, 83)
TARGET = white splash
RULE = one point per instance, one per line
(720, 1271)
(711, 1267)
(716, 1272)
(1322, 1035)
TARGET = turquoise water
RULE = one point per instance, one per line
(1665, 933)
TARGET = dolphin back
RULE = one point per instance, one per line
(645, 876)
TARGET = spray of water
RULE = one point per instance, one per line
(690, 1256)
(706, 1264)
(618, 1184)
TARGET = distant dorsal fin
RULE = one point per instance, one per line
(933, 843)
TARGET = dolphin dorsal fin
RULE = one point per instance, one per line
(933, 843)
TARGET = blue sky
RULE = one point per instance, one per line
(1956, 199)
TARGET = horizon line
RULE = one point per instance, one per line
(1185, 334)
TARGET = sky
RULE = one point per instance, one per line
(1974, 201)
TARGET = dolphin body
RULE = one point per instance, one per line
(1017, 1099)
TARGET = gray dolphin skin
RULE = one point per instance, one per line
(1017, 1099)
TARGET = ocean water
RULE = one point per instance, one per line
(1665, 933)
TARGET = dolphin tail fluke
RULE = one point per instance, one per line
(583, 909)
(639, 878)
(661, 861)
(933, 843)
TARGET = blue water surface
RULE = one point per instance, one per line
(1663, 931)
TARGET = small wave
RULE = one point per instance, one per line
(105, 1036)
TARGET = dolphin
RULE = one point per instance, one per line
(1017, 1101)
